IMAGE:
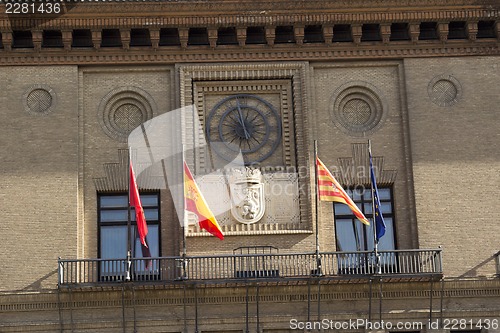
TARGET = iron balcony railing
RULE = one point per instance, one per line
(497, 262)
(245, 266)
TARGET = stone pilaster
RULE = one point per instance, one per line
(414, 30)
(443, 30)
(125, 37)
(385, 32)
(328, 33)
(241, 34)
(67, 38)
(154, 35)
(270, 35)
(97, 38)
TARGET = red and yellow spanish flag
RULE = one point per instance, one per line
(330, 190)
(195, 203)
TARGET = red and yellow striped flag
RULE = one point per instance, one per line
(195, 203)
(330, 190)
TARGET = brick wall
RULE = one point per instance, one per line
(38, 175)
(456, 161)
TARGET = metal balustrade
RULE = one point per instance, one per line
(497, 261)
(250, 266)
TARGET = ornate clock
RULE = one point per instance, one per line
(245, 123)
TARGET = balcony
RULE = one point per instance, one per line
(333, 266)
(497, 262)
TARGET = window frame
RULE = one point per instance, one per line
(100, 223)
(361, 205)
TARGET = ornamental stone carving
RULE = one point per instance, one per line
(247, 195)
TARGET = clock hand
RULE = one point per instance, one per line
(242, 121)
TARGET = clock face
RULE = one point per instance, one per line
(245, 123)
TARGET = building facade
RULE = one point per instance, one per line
(419, 79)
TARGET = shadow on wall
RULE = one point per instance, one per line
(38, 284)
(473, 271)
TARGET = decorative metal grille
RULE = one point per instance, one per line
(127, 117)
(444, 90)
(358, 108)
(357, 112)
(39, 100)
(124, 109)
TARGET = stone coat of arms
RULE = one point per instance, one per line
(247, 195)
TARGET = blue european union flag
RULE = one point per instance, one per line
(378, 218)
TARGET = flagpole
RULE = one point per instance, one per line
(184, 218)
(318, 257)
(375, 242)
(129, 220)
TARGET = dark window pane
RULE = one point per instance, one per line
(52, 38)
(198, 36)
(256, 35)
(111, 38)
(140, 37)
(457, 30)
(428, 31)
(342, 33)
(370, 33)
(399, 31)
(486, 29)
(284, 34)
(82, 38)
(313, 34)
(22, 39)
(169, 37)
(227, 36)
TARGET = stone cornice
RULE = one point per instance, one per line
(157, 295)
(168, 55)
(212, 6)
(164, 19)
